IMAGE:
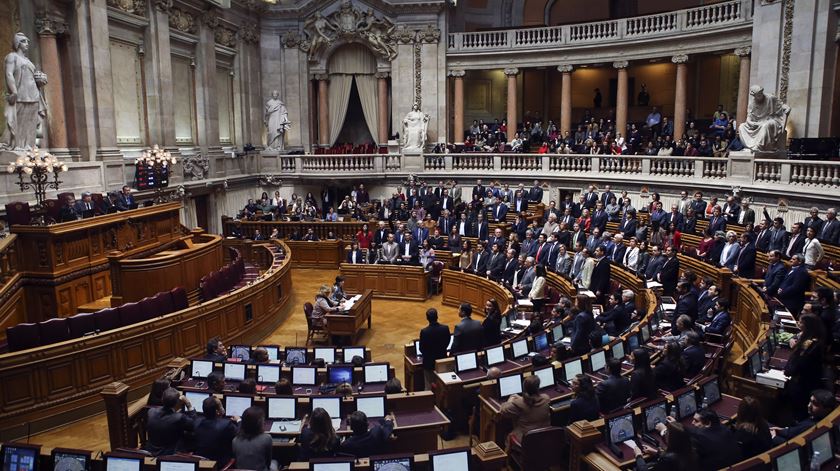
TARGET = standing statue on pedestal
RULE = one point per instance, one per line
(414, 129)
(277, 121)
(25, 104)
(765, 124)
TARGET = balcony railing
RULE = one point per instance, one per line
(700, 19)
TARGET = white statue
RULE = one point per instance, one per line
(25, 105)
(414, 129)
(765, 123)
(277, 121)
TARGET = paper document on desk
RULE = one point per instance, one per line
(586, 293)
(449, 378)
(521, 323)
(654, 284)
(292, 426)
(349, 303)
(524, 302)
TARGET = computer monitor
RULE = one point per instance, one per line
(519, 348)
(541, 342)
(617, 350)
(234, 372)
(268, 374)
(330, 404)
(571, 369)
(417, 351)
(65, 459)
(201, 368)
(296, 356)
(788, 461)
(236, 405)
(494, 355)
(331, 464)
(509, 385)
(619, 427)
(327, 353)
(598, 360)
(645, 330)
(122, 462)
(453, 459)
(654, 414)
(197, 399)
(557, 332)
(546, 376)
(176, 463)
(375, 373)
(242, 352)
(281, 408)
(767, 348)
(392, 463)
(350, 352)
(711, 391)
(504, 324)
(372, 406)
(822, 443)
(304, 375)
(339, 374)
(21, 457)
(272, 350)
(755, 363)
(632, 342)
(686, 405)
(465, 362)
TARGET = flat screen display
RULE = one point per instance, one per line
(340, 374)
(711, 391)
(196, 399)
(391, 463)
(201, 368)
(541, 343)
(571, 369)
(598, 360)
(241, 352)
(466, 362)
(273, 351)
(620, 428)
(120, 463)
(557, 332)
(788, 461)
(268, 374)
(686, 405)
(20, 457)
(281, 408)
(350, 352)
(451, 461)
(328, 354)
(330, 404)
(519, 348)
(546, 376)
(376, 373)
(654, 414)
(494, 355)
(372, 406)
(69, 460)
(236, 405)
(509, 385)
(172, 465)
(304, 375)
(295, 356)
(234, 371)
(617, 350)
(334, 466)
(632, 342)
(822, 444)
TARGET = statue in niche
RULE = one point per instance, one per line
(277, 121)
(765, 124)
(414, 129)
(25, 104)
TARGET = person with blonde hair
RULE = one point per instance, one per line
(323, 306)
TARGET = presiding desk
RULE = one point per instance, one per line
(350, 323)
(317, 253)
(408, 282)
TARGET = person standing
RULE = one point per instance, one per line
(434, 339)
(469, 335)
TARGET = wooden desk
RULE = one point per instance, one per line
(459, 287)
(342, 230)
(349, 325)
(316, 254)
(387, 281)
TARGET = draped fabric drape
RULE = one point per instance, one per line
(227, 203)
(189, 217)
(349, 62)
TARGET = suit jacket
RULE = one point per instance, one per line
(434, 339)
(582, 325)
(536, 194)
(496, 265)
(445, 225)
(717, 223)
(527, 417)
(500, 212)
(716, 447)
(613, 393)
(653, 267)
(616, 254)
(669, 274)
(628, 228)
(719, 323)
(479, 190)
(616, 320)
(447, 203)
(599, 220)
(527, 279)
(689, 225)
(816, 223)
(605, 197)
(773, 277)
(480, 262)
(792, 289)
(510, 270)
(600, 281)
(501, 241)
(212, 438)
(81, 206)
(380, 236)
(762, 240)
(748, 217)
(372, 442)
(480, 231)
(390, 251)
(413, 251)
(165, 428)
(731, 258)
(359, 258)
(528, 247)
(746, 261)
(520, 205)
(469, 336)
(541, 253)
(778, 240)
(694, 358)
(830, 231)
(699, 208)
(124, 202)
(590, 199)
(677, 218)
(687, 304)
(794, 245)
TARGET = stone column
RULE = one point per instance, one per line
(458, 123)
(511, 102)
(565, 98)
(621, 98)
(48, 29)
(160, 97)
(323, 109)
(679, 96)
(382, 83)
(743, 83)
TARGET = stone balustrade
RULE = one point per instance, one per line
(700, 19)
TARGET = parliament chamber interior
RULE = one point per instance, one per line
(432, 235)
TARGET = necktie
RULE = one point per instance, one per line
(538, 251)
(825, 229)
(790, 245)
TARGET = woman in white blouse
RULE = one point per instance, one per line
(537, 293)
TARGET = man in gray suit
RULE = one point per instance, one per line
(527, 279)
(390, 250)
(469, 335)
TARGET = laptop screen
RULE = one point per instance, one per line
(509, 385)
(789, 461)
(571, 369)
(236, 405)
(234, 371)
(655, 414)
(541, 342)
(340, 374)
(67, 460)
(466, 362)
(20, 457)
(120, 463)
(617, 350)
(711, 391)
(557, 332)
(268, 374)
(344, 465)
(372, 406)
(350, 352)
(504, 324)
(242, 352)
(196, 399)
(822, 444)
(598, 360)
(328, 354)
(173, 465)
(546, 376)
(620, 428)
(273, 351)
(686, 405)
(281, 408)
(295, 356)
(376, 373)
(201, 368)
(304, 375)
(519, 348)
(330, 404)
(450, 461)
(391, 463)
(495, 355)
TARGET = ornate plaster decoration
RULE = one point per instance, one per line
(225, 36)
(511, 71)
(382, 75)
(182, 21)
(250, 32)
(292, 39)
(196, 167)
(429, 35)
(565, 68)
(352, 25)
(271, 180)
(679, 59)
(743, 51)
(620, 64)
(403, 35)
(163, 5)
(457, 73)
(418, 75)
(787, 37)
(135, 7)
(210, 18)
(46, 26)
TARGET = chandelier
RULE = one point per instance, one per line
(34, 169)
(153, 170)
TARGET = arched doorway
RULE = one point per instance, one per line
(353, 100)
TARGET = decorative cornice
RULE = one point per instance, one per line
(210, 18)
(46, 26)
(457, 73)
(621, 64)
(743, 51)
(511, 71)
(135, 7)
(225, 36)
(565, 68)
(325, 77)
(250, 32)
(679, 59)
(382, 75)
(182, 21)
(163, 5)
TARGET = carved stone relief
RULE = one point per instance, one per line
(182, 21)
(225, 36)
(196, 167)
(135, 7)
(250, 32)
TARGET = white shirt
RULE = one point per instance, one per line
(813, 251)
(353, 257)
(631, 258)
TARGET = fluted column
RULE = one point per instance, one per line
(458, 121)
(382, 83)
(48, 29)
(743, 82)
(323, 109)
(680, 95)
(621, 98)
(511, 74)
(565, 98)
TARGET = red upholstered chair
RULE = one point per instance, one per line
(63, 196)
(81, 324)
(179, 298)
(54, 330)
(163, 303)
(107, 319)
(23, 336)
(130, 313)
(541, 449)
(53, 210)
(148, 309)
(18, 213)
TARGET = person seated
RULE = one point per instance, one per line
(317, 437)
(166, 425)
(821, 403)
(687, 301)
(679, 452)
(213, 432)
(366, 442)
(750, 428)
(86, 207)
(616, 320)
(527, 411)
(393, 386)
(156, 393)
(247, 386)
(216, 350)
(693, 354)
(669, 372)
(642, 380)
(715, 444)
(252, 445)
(585, 405)
(283, 387)
(721, 321)
(614, 391)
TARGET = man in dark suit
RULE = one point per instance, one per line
(409, 252)
(669, 273)
(722, 319)
(813, 221)
(366, 440)
(716, 445)
(796, 241)
(746, 215)
(693, 354)
(362, 196)
(434, 339)
(675, 217)
(125, 201)
(830, 231)
(536, 193)
(775, 273)
(690, 223)
(511, 266)
(606, 195)
(355, 255)
(745, 263)
(497, 238)
(166, 425)
(617, 249)
(616, 319)
(614, 391)
(478, 190)
(446, 202)
(590, 198)
(213, 432)
(765, 235)
(216, 350)
(600, 281)
(496, 263)
(480, 260)
(717, 222)
(520, 202)
(629, 224)
(698, 205)
(542, 249)
(599, 218)
(445, 222)
(480, 229)
(655, 263)
(469, 335)
(86, 205)
(499, 211)
(778, 236)
(687, 301)
(381, 234)
(567, 218)
(792, 289)
(528, 245)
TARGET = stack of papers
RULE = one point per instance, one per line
(587, 293)
(654, 284)
(349, 303)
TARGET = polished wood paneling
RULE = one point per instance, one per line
(386, 281)
(342, 230)
(350, 324)
(316, 254)
(459, 287)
